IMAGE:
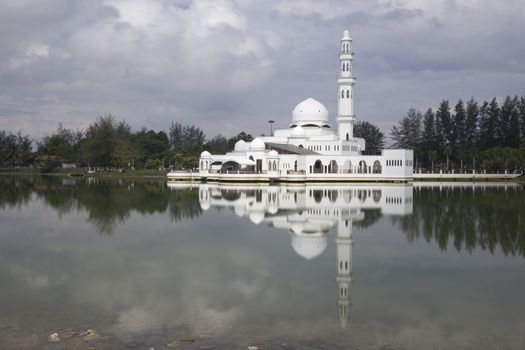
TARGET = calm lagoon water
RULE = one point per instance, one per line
(143, 263)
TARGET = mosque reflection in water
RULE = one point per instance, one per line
(308, 213)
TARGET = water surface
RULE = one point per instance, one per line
(307, 267)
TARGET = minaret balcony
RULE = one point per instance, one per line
(346, 80)
(346, 56)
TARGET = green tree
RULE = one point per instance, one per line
(151, 144)
(408, 133)
(15, 149)
(374, 138)
(240, 136)
(429, 140)
(188, 139)
(217, 145)
(62, 143)
(107, 142)
(471, 123)
(509, 126)
(460, 131)
(445, 124)
(521, 108)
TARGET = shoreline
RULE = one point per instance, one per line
(139, 174)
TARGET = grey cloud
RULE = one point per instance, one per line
(232, 65)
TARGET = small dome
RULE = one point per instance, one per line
(240, 146)
(346, 34)
(297, 227)
(309, 247)
(273, 153)
(205, 154)
(257, 145)
(310, 110)
(256, 217)
(273, 208)
(298, 131)
(239, 210)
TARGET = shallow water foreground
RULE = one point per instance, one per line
(142, 264)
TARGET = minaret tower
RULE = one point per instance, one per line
(344, 268)
(346, 82)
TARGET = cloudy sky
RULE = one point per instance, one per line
(229, 65)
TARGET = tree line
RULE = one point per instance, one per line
(468, 137)
(110, 143)
(471, 136)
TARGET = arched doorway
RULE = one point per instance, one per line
(333, 167)
(318, 167)
(347, 167)
(363, 169)
(376, 167)
(230, 166)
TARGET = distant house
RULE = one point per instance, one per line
(46, 158)
(68, 165)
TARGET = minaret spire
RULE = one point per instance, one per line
(346, 82)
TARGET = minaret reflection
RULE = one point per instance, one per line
(309, 212)
(344, 268)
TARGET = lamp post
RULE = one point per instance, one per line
(271, 126)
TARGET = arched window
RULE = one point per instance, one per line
(347, 93)
(342, 94)
(347, 137)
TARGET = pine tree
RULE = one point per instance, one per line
(445, 126)
(429, 140)
(503, 122)
(460, 132)
(471, 123)
(489, 124)
(521, 108)
(408, 133)
(495, 124)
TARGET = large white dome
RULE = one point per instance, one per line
(308, 247)
(310, 110)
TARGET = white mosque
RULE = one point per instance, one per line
(308, 213)
(310, 149)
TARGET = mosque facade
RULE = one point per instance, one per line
(311, 149)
